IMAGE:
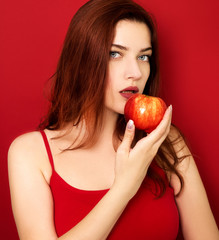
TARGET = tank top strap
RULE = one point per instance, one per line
(46, 142)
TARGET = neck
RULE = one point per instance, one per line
(109, 124)
(105, 138)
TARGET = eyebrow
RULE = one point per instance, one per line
(125, 48)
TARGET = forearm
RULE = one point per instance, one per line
(101, 219)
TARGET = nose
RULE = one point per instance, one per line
(132, 70)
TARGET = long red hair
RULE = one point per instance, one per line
(79, 83)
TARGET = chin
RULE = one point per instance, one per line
(116, 111)
(121, 110)
(116, 108)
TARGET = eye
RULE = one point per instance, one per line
(144, 58)
(114, 54)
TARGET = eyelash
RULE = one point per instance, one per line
(148, 58)
(115, 52)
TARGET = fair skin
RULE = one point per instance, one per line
(122, 171)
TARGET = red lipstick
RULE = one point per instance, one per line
(129, 91)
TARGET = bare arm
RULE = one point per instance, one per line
(196, 216)
(31, 196)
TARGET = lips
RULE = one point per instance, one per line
(129, 91)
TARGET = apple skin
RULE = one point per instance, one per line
(146, 111)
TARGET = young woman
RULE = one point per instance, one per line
(87, 174)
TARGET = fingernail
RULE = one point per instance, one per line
(170, 108)
(130, 124)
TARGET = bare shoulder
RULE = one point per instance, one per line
(195, 213)
(25, 140)
(28, 149)
(180, 145)
(27, 144)
(175, 134)
(29, 174)
(185, 158)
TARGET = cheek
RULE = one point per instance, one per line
(145, 76)
(112, 81)
(109, 91)
(109, 80)
(146, 70)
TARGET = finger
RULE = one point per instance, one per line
(128, 138)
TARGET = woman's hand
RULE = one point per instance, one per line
(132, 164)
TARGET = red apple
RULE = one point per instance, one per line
(145, 111)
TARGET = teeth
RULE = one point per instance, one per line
(128, 91)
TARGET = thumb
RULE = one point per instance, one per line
(128, 137)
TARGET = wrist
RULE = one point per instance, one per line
(121, 191)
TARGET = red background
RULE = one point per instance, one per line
(32, 33)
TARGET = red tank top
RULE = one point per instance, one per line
(145, 217)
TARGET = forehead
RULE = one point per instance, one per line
(132, 33)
